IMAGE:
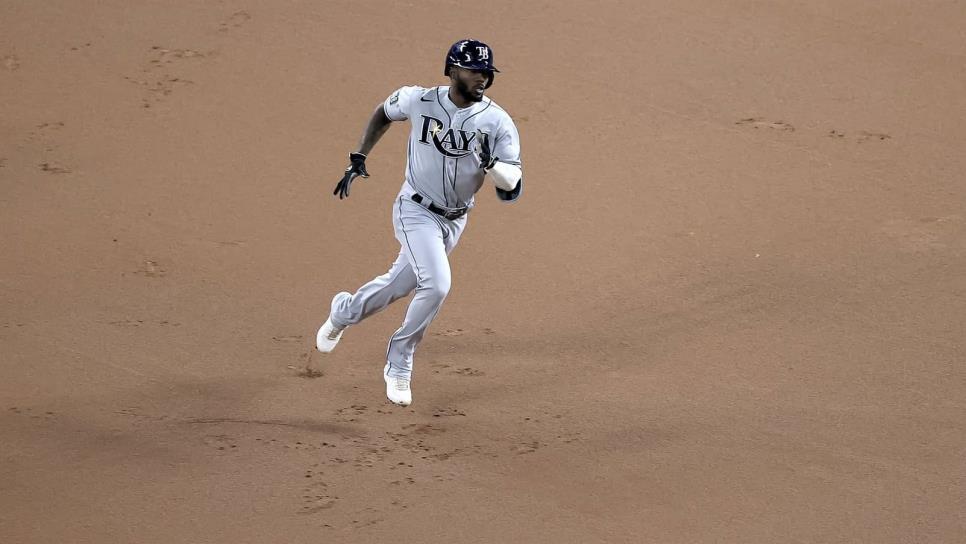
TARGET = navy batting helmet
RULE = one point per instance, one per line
(472, 55)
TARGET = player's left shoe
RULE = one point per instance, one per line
(398, 390)
(329, 335)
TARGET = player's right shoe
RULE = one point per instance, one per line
(397, 389)
(329, 335)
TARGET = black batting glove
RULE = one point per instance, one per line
(356, 168)
(487, 160)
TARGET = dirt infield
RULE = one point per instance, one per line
(729, 307)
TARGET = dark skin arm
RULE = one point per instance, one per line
(377, 126)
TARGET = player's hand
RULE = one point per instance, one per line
(356, 168)
(487, 160)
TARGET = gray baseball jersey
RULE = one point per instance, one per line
(442, 165)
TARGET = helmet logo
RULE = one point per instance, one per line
(483, 52)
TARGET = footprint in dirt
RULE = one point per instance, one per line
(230, 243)
(45, 128)
(131, 323)
(138, 414)
(865, 136)
(53, 168)
(467, 371)
(448, 412)
(237, 19)
(316, 496)
(151, 269)
(422, 428)
(220, 442)
(925, 234)
(861, 136)
(45, 136)
(10, 62)
(308, 373)
(368, 512)
(444, 455)
(356, 409)
(162, 56)
(526, 447)
(350, 414)
(570, 438)
(32, 414)
(157, 86)
(306, 368)
(760, 122)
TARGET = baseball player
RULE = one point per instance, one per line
(458, 137)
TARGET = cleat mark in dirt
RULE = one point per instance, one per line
(526, 447)
(156, 86)
(926, 234)
(315, 495)
(860, 136)
(865, 136)
(448, 412)
(236, 20)
(33, 413)
(151, 269)
(220, 442)
(132, 323)
(761, 122)
(10, 62)
(53, 168)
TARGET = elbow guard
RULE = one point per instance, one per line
(506, 176)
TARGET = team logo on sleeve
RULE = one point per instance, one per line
(449, 142)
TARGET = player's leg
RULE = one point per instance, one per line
(349, 309)
(426, 241)
(375, 296)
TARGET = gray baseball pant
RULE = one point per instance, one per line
(425, 240)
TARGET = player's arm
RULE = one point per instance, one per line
(501, 160)
(505, 175)
(396, 108)
(377, 126)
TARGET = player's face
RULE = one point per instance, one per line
(470, 84)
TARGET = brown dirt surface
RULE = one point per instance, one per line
(729, 307)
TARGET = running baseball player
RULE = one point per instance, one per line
(458, 136)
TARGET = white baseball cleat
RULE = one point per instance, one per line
(329, 335)
(397, 389)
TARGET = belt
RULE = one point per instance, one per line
(449, 213)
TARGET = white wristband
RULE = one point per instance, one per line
(505, 175)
